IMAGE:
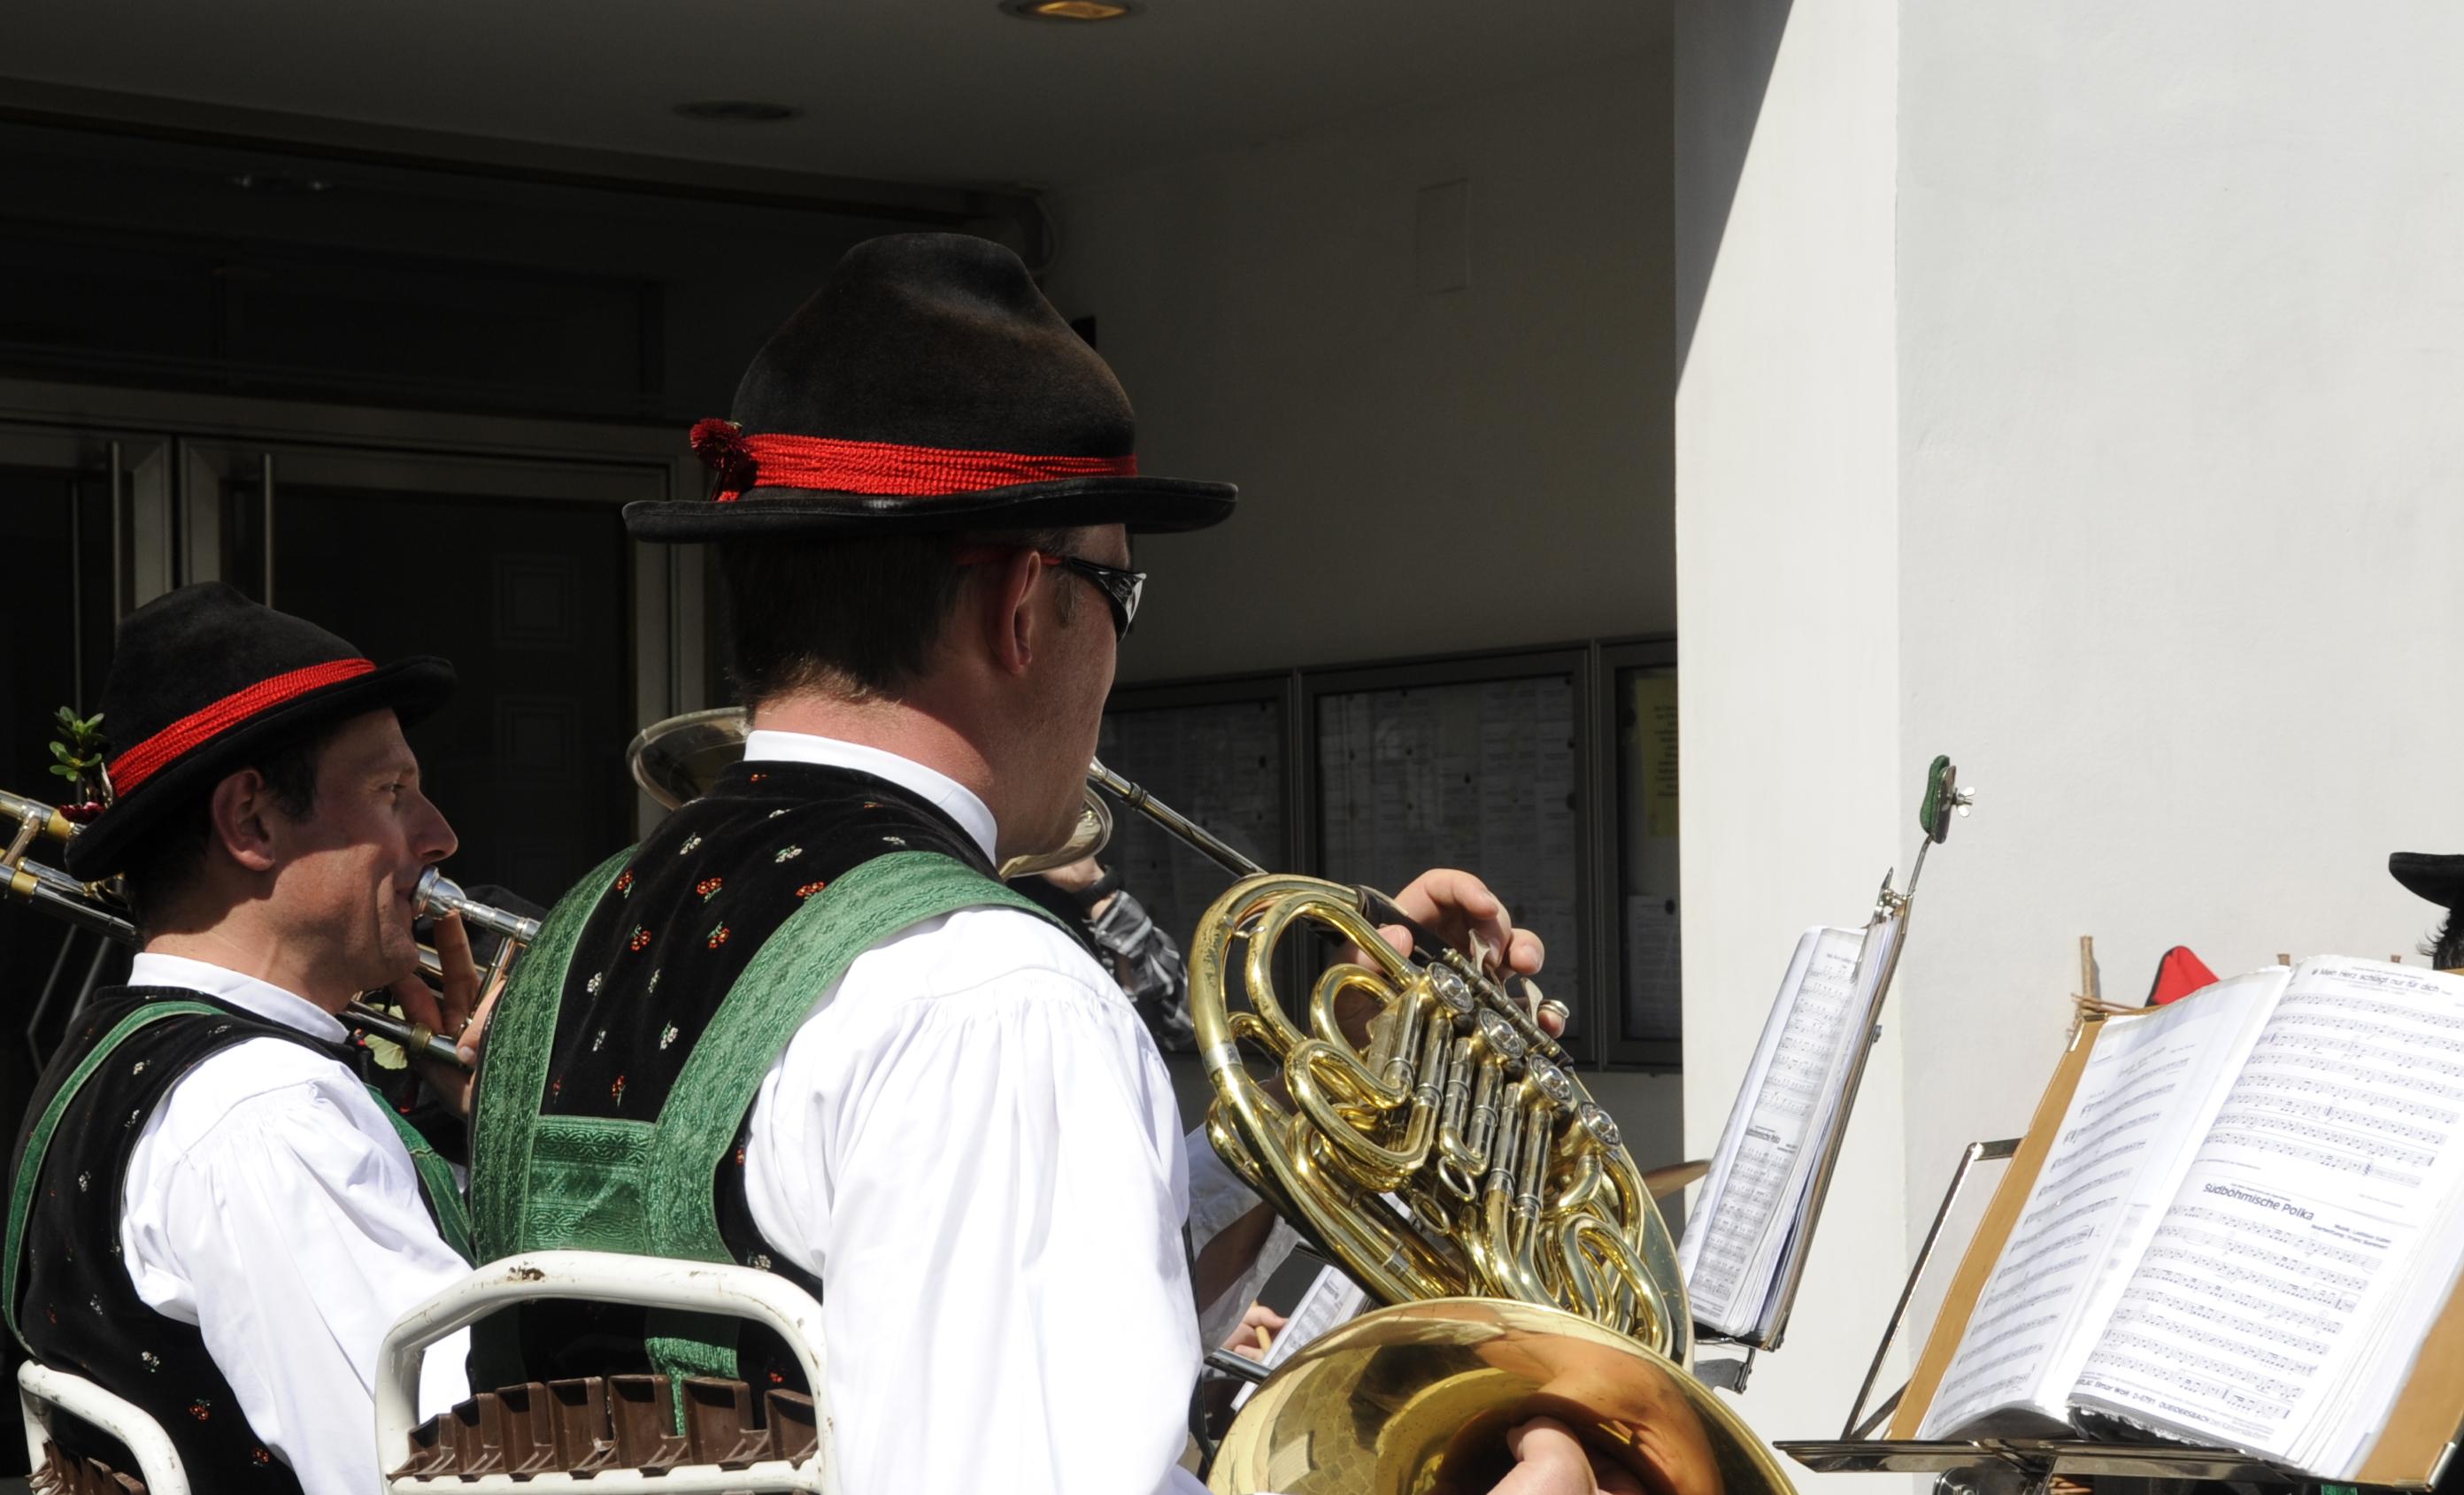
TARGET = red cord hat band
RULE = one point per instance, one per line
(876, 467)
(141, 762)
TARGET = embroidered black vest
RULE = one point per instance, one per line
(675, 926)
(71, 1302)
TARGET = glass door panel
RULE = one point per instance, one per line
(1641, 680)
(1217, 753)
(64, 498)
(518, 572)
(1478, 763)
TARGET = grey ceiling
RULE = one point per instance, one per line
(895, 90)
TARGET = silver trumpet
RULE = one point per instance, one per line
(434, 897)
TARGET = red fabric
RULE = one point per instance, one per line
(2178, 974)
(141, 762)
(720, 446)
(876, 467)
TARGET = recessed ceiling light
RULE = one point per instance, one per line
(1071, 9)
(280, 182)
(738, 111)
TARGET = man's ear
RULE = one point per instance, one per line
(241, 814)
(1009, 622)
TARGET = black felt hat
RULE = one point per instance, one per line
(2440, 879)
(201, 681)
(927, 387)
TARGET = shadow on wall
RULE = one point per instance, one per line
(1724, 50)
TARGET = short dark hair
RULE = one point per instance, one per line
(857, 619)
(162, 865)
(2446, 948)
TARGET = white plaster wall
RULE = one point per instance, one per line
(2181, 349)
(1797, 778)
(2072, 392)
(1420, 472)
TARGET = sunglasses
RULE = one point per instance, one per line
(1121, 590)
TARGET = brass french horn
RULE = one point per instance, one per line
(1415, 1122)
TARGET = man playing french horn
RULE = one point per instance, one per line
(802, 1025)
(212, 1216)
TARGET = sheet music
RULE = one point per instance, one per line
(1755, 1181)
(1331, 1298)
(2145, 1098)
(1654, 967)
(2314, 1237)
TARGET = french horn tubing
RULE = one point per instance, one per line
(1412, 1120)
(91, 906)
(1419, 1126)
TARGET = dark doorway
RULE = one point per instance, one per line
(55, 522)
(531, 601)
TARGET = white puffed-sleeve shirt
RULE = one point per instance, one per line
(270, 1202)
(975, 1146)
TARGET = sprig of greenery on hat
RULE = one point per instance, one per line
(79, 749)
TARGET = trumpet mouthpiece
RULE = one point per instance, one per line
(436, 894)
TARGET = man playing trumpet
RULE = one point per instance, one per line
(803, 1027)
(212, 1216)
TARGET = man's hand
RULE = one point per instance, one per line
(1459, 909)
(1257, 1332)
(458, 1013)
(1550, 1460)
(1076, 876)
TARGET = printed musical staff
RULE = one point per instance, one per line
(1752, 1193)
(2265, 1306)
(2101, 1182)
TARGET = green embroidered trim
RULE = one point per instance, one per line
(513, 1073)
(38, 1142)
(435, 1179)
(596, 1183)
(586, 1185)
(779, 990)
(793, 970)
(682, 1345)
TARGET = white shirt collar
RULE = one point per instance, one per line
(263, 999)
(938, 789)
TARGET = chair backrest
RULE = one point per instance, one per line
(40, 1389)
(696, 1437)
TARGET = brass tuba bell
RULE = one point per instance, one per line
(1417, 1399)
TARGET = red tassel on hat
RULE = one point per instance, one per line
(720, 446)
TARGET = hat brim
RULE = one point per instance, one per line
(1147, 505)
(413, 687)
(2440, 879)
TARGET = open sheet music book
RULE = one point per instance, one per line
(1748, 1225)
(2240, 1232)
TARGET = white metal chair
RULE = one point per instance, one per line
(652, 1281)
(40, 1389)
